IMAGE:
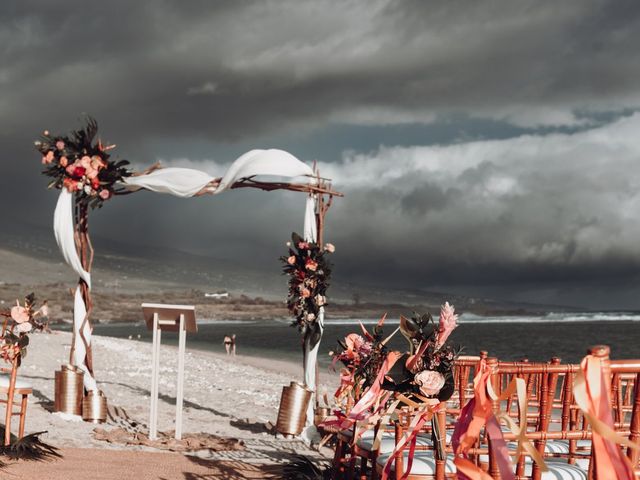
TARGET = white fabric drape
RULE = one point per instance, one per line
(64, 229)
(180, 182)
(311, 353)
(186, 182)
(80, 351)
(264, 162)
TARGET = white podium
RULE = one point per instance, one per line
(169, 318)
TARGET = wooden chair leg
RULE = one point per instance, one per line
(7, 420)
(23, 415)
(338, 460)
(352, 466)
(374, 467)
(363, 468)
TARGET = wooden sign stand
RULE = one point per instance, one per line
(170, 318)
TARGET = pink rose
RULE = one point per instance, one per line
(448, 323)
(430, 382)
(64, 162)
(291, 260)
(105, 194)
(353, 341)
(24, 327)
(330, 247)
(97, 162)
(48, 158)
(303, 245)
(19, 314)
(91, 172)
(305, 292)
(85, 161)
(59, 144)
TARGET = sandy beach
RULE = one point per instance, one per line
(226, 397)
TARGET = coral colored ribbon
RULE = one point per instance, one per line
(477, 413)
(368, 399)
(410, 437)
(347, 382)
(592, 396)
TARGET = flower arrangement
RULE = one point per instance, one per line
(362, 357)
(15, 339)
(81, 164)
(428, 368)
(309, 272)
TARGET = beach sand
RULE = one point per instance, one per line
(223, 396)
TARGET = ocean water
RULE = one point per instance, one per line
(537, 338)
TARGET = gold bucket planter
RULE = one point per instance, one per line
(68, 390)
(94, 407)
(293, 409)
(321, 413)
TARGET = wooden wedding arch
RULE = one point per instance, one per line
(71, 227)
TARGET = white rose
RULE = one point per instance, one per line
(23, 327)
(430, 382)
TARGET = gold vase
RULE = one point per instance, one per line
(68, 390)
(293, 409)
(94, 407)
(320, 414)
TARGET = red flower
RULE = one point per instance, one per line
(95, 183)
(311, 265)
(79, 172)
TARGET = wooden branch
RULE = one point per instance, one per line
(294, 187)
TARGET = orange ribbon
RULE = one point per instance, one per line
(591, 393)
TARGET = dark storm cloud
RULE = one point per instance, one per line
(543, 210)
(197, 83)
(230, 70)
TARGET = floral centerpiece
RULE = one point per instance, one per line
(362, 358)
(15, 339)
(427, 370)
(309, 272)
(80, 163)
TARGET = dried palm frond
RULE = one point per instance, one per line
(303, 468)
(29, 447)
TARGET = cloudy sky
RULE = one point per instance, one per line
(484, 147)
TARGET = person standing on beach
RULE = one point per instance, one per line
(228, 343)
